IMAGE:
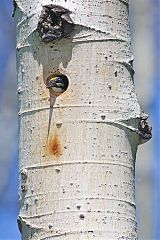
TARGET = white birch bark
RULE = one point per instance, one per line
(78, 182)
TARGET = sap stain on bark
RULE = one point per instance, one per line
(54, 23)
(54, 146)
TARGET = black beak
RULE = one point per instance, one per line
(50, 84)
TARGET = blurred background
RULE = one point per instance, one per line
(145, 28)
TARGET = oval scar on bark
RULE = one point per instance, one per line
(54, 23)
(54, 146)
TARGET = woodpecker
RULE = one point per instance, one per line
(57, 85)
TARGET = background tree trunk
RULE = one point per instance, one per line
(77, 159)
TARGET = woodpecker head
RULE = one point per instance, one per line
(57, 84)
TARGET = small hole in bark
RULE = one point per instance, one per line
(103, 117)
(109, 86)
(23, 188)
(50, 225)
(81, 216)
(57, 170)
(24, 174)
(59, 125)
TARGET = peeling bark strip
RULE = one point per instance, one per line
(19, 224)
(54, 23)
(14, 8)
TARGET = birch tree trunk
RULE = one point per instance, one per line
(77, 157)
